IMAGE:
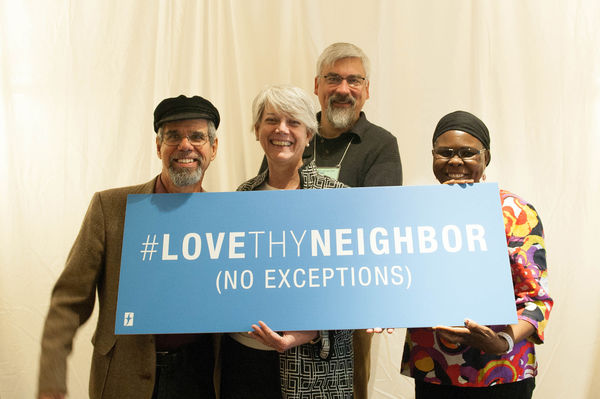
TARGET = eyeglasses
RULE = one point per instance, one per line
(195, 138)
(354, 81)
(463, 152)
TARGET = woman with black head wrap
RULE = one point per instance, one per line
(477, 361)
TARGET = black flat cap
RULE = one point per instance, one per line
(182, 107)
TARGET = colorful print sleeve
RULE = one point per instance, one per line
(527, 253)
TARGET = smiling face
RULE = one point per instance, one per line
(282, 137)
(184, 164)
(341, 104)
(455, 168)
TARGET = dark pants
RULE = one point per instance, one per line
(186, 372)
(514, 390)
(248, 373)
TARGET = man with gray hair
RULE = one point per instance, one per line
(132, 366)
(351, 149)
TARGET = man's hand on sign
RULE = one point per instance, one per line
(379, 330)
(281, 343)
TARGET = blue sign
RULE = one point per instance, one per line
(314, 260)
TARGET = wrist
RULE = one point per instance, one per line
(508, 339)
(316, 339)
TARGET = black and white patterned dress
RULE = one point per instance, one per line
(323, 370)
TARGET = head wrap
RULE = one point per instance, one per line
(182, 107)
(465, 122)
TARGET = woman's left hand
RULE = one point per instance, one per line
(281, 343)
(475, 335)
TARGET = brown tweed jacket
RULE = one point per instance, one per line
(122, 366)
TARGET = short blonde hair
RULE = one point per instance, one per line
(290, 100)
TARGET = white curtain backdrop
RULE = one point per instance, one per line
(79, 81)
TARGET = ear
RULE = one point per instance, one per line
(367, 90)
(214, 146)
(488, 157)
(158, 147)
(256, 132)
(317, 85)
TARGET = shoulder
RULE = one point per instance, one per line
(364, 127)
(520, 217)
(511, 200)
(250, 185)
(119, 194)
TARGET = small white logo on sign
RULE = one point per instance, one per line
(128, 321)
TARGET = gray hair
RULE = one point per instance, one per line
(290, 100)
(212, 132)
(338, 51)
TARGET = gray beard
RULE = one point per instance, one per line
(184, 177)
(340, 118)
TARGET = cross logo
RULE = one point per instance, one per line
(128, 320)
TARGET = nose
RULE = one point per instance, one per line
(185, 144)
(455, 160)
(283, 127)
(343, 87)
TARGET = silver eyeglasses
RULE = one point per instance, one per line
(354, 81)
(463, 152)
(195, 138)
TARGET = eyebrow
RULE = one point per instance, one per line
(357, 74)
(177, 131)
(459, 147)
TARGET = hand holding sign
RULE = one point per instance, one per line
(483, 337)
(281, 343)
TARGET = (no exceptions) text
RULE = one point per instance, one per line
(301, 277)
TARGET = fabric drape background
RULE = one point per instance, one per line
(79, 81)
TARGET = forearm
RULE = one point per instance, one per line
(72, 300)
(520, 331)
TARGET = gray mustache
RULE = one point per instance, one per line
(341, 98)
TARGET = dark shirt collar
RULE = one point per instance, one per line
(358, 129)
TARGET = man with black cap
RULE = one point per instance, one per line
(132, 366)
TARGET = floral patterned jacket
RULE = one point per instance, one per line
(428, 358)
